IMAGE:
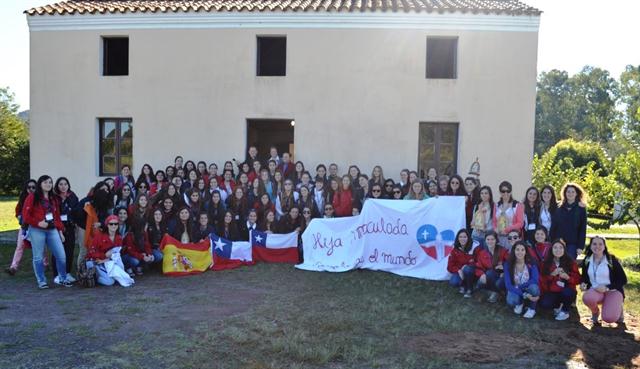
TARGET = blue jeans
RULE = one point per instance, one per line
(101, 272)
(469, 273)
(514, 299)
(130, 262)
(38, 238)
(455, 280)
(157, 256)
(495, 281)
(551, 300)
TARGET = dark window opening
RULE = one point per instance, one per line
(442, 57)
(115, 60)
(115, 145)
(438, 148)
(272, 56)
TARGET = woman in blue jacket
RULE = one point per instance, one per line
(521, 279)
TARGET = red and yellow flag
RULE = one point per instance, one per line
(184, 258)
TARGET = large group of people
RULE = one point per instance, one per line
(504, 248)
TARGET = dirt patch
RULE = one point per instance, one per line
(596, 347)
(473, 347)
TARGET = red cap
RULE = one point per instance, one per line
(110, 218)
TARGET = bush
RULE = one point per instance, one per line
(578, 154)
(632, 262)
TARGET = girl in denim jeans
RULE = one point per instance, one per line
(521, 279)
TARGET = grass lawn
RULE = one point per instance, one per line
(274, 316)
(8, 219)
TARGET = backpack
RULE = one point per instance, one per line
(86, 275)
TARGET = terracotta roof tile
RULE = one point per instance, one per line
(510, 7)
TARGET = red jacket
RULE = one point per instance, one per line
(484, 260)
(291, 167)
(34, 213)
(459, 259)
(131, 249)
(342, 204)
(548, 283)
(100, 244)
(539, 252)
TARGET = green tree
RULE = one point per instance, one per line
(582, 106)
(14, 145)
(630, 96)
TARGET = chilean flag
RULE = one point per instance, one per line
(275, 248)
(229, 255)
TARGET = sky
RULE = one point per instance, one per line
(573, 33)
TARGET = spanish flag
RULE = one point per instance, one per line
(184, 258)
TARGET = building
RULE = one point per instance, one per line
(399, 83)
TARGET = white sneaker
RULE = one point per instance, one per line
(70, 279)
(57, 280)
(461, 290)
(518, 309)
(562, 315)
(530, 313)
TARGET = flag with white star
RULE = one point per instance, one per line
(274, 247)
(228, 254)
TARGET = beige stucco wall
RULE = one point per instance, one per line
(357, 96)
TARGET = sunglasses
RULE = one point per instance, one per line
(376, 191)
(31, 187)
(504, 191)
(306, 212)
(388, 186)
(455, 183)
(397, 192)
(513, 238)
(113, 224)
(327, 209)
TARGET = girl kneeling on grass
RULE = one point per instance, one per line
(603, 281)
(102, 250)
(488, 267)
(558, 281)
(461, 256)
(521, 279)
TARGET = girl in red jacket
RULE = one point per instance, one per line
(542, 248)
(461, 257)
(343, 198)
(21, 244)
(101, 249)
(41, 211)
(558, 281)
(488, 266)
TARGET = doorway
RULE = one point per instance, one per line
(264, 133)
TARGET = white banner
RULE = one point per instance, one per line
(406, 237)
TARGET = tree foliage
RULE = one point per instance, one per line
(582, 106)
(14, 145)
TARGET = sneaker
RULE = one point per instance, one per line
(43, 286)
(557, 311)
(461, 290)
(11, 271)
(595, 319)
(131, 273)
(66, 283)
(493, 297)
(139, 271)
(562, 315)
(57, 280)
(70, 278)
(518, 309)
(530, 313)
(467, 294)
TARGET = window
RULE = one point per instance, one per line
(272, 56)
(116, 145)
(115, 56)
(442, 55)
(438, 148)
